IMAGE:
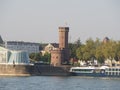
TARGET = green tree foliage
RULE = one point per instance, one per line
(46, 58)
(36, 57)
(73, 47)
(80, 52)
(89, 51)
(99, 54)
(86, 52)
(98, 50)
(109, 49)
(118, 51)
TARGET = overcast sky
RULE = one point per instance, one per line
(38, 20)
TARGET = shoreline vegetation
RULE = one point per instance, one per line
(89, 51)
(97, 50)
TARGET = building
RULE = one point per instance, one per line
(106, 39)
(1, 41)
(20, 45)
(63, 43)
(48, 48)
(60, 55)
(13, 57)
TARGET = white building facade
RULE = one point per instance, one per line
(25, 46)
(13, 57)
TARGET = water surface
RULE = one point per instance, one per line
(58, 83)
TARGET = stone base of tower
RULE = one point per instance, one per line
(59, 57)
(65, 59)
(56, 57)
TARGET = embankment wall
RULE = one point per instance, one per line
(32, 70)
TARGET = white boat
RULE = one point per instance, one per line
(103, 71)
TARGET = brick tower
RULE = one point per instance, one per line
(63, 43)
(61, 55)
(63, 37)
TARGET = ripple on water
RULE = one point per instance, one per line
(58, 83)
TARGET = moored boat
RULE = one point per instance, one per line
(112, 72)
(103, 71)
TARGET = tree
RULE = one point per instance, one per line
(78, 43)
(98, 50)
(80, 52)
(109, 49)
(35, 57)
(73, 47)
(99, 54)
(90, 49)
(46, 58)
(117, 51)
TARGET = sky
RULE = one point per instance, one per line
(38, 20)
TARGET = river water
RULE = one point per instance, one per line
(58, 83)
